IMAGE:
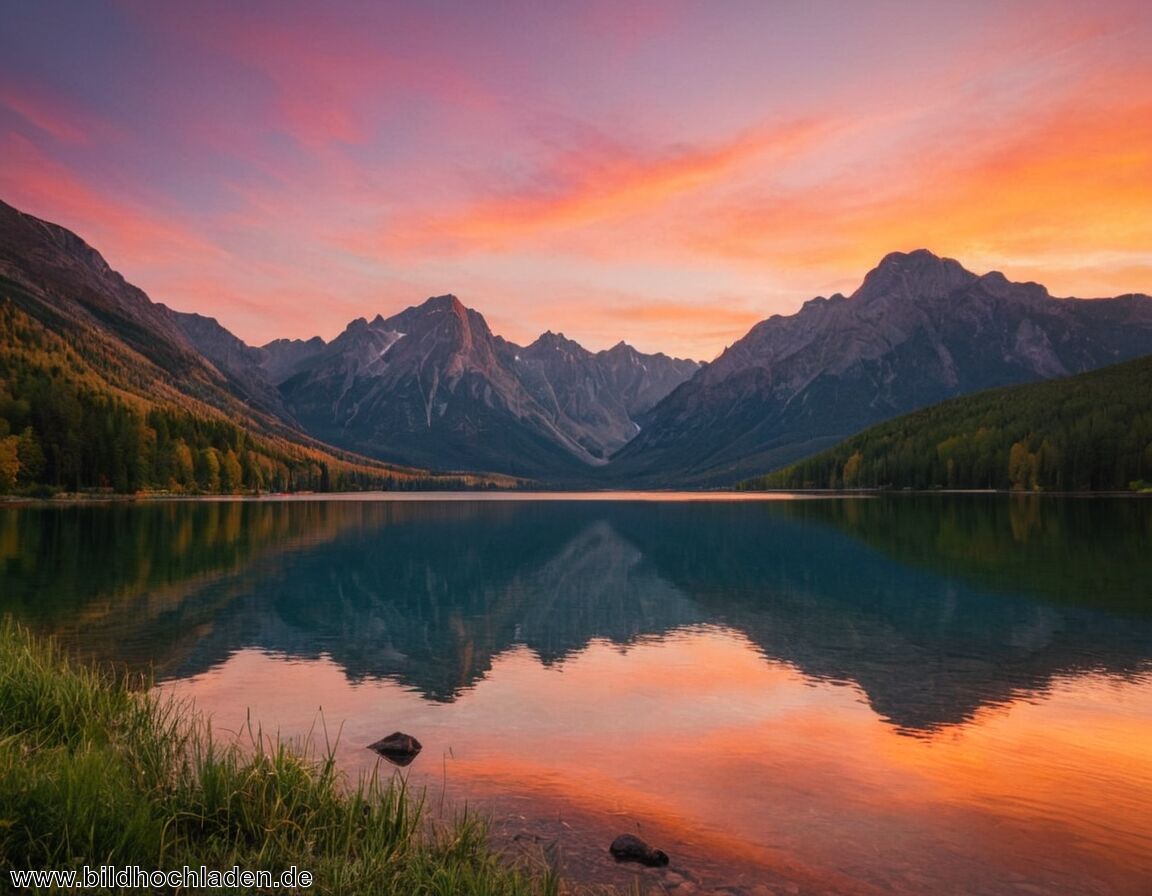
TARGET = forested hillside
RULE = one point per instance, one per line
(73, 419)
(1087, 432)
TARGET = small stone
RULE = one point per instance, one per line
(630, 848)
(398, 748)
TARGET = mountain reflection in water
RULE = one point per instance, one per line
(933, 606)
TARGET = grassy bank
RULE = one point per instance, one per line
(94, 771)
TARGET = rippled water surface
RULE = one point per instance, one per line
(910, 694)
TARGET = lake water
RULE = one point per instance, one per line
(946, 694)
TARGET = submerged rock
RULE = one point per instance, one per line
(398, 748)
(630, 848)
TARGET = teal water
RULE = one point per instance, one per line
(841, 694)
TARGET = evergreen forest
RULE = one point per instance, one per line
(1091, 432)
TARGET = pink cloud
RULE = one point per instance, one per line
(45, 112)
(123, 228)
(319, 167)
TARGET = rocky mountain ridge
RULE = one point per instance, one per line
(433, 385)
(433, 382)
(920, 329)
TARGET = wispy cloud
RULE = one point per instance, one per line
(46, 112)
(595, 181)
(119, 226)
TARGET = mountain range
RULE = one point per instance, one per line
(432, 387)
(919, 330)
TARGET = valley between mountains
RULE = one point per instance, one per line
(431, 391)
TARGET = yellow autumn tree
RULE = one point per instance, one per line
(9, 463)
(851, 473)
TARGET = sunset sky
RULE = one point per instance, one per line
(665, 173)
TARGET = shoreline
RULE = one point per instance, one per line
(85, 498)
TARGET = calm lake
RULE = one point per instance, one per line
(945, 694)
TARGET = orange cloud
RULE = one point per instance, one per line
(683, 313)
(1070, 181)
(598, 318)
(592, 183)
(677, 328)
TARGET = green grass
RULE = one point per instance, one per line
(96, 771)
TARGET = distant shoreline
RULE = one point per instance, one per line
(490, 495)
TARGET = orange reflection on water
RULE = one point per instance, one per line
(742, 767)
(1074, 766)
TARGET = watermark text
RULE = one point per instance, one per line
(107, 877)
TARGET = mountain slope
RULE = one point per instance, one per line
(240, 363)
(1091, 431)
(433, 386)
(64, 283)
(919, 330)
(596, 398)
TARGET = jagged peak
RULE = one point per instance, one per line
(444, 302)
(919, 273)
(620, 351)
(558, 341)
(191, 315)
(917, 256)
(818, 301)
(285, 341)
(920, 260)
(996, 284)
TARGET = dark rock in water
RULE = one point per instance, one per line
(398, 748)
(630, 848)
